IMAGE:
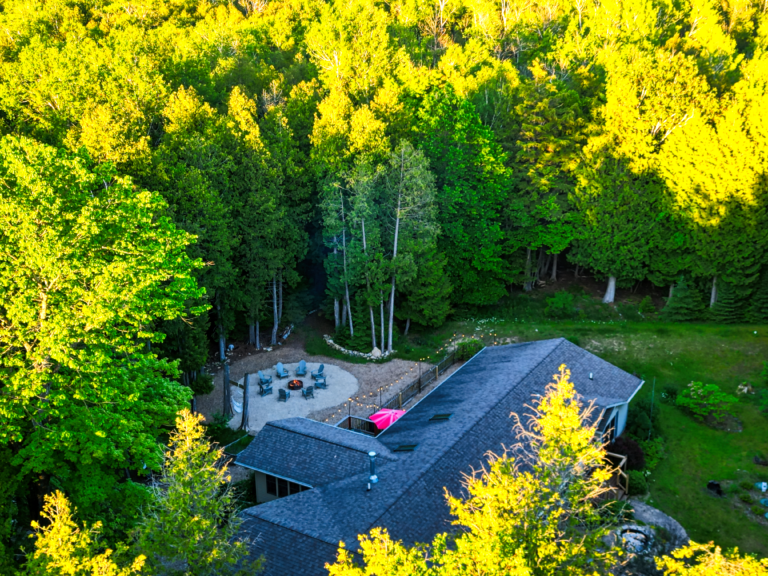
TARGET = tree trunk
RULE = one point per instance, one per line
(554, 268)
(251, 334)
(280, 300)
(246, 398)
(368, 288)
(193, 405)
(610, 292)
(671, 290)
(346, 279)
(336, 321)
(227, 411)
(258, 344)
(392, 293)
(713, 294)
(274, 310)
(407, 326)
(576, 273)
(527, 284)
(381, 309)
(335, 300)
(343, 314)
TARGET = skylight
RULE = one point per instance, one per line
(440, 417)
(405, 448)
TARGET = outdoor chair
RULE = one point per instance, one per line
(264, 379)
(321, 383)
(319, 372)
(301, 370)
(308, 392)
(283, 396)
(281, 371)
(265, 389)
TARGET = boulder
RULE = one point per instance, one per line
(375, 353)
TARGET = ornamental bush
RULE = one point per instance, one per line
(631, 449)
(705, 400)
(467, 349)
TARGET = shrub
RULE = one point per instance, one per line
(746, 498)
(669, 394)
(746, 485)
(638, 485)
(468, 348)
(646, 306)
(639, 424)
(706, 399)
(759, 510)
(560, 305)
(654, 450)
(631, 449)
(686, 303)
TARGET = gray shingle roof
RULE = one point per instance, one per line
(409, 499)
(310, 452)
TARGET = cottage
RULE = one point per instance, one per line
(313, 479)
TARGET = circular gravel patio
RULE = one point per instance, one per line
(341, 386)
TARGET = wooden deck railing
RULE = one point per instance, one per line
(620, 481)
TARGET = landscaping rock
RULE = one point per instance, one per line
(375, 353)
(649, 515)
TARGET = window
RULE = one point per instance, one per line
(281, 488)
(406, 448)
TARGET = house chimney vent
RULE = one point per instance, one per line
(590, 376)
(373, 477)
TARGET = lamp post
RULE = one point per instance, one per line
(349, 414)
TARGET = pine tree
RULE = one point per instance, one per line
(758, 306)
(729, 308)
(686, 303)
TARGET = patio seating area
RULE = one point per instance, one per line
(323, 386)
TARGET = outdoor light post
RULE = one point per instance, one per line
(349, 414)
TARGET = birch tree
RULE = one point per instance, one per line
(409, 207)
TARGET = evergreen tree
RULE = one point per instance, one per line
(729, 307)
(685, 304)
(758, 304)
(191, 525)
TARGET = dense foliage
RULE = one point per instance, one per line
(176, 173)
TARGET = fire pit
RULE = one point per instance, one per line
(295, 385)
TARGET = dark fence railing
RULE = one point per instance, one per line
(357, 424)
(414, 388)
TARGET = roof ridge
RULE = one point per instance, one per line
(287, 429)
(427, 468)
(332, 542)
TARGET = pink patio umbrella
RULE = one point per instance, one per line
(386, 417)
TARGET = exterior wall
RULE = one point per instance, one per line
(261, 488)
(621, 420)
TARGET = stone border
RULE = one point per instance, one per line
(366, 355)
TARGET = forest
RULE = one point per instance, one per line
(177, 172)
